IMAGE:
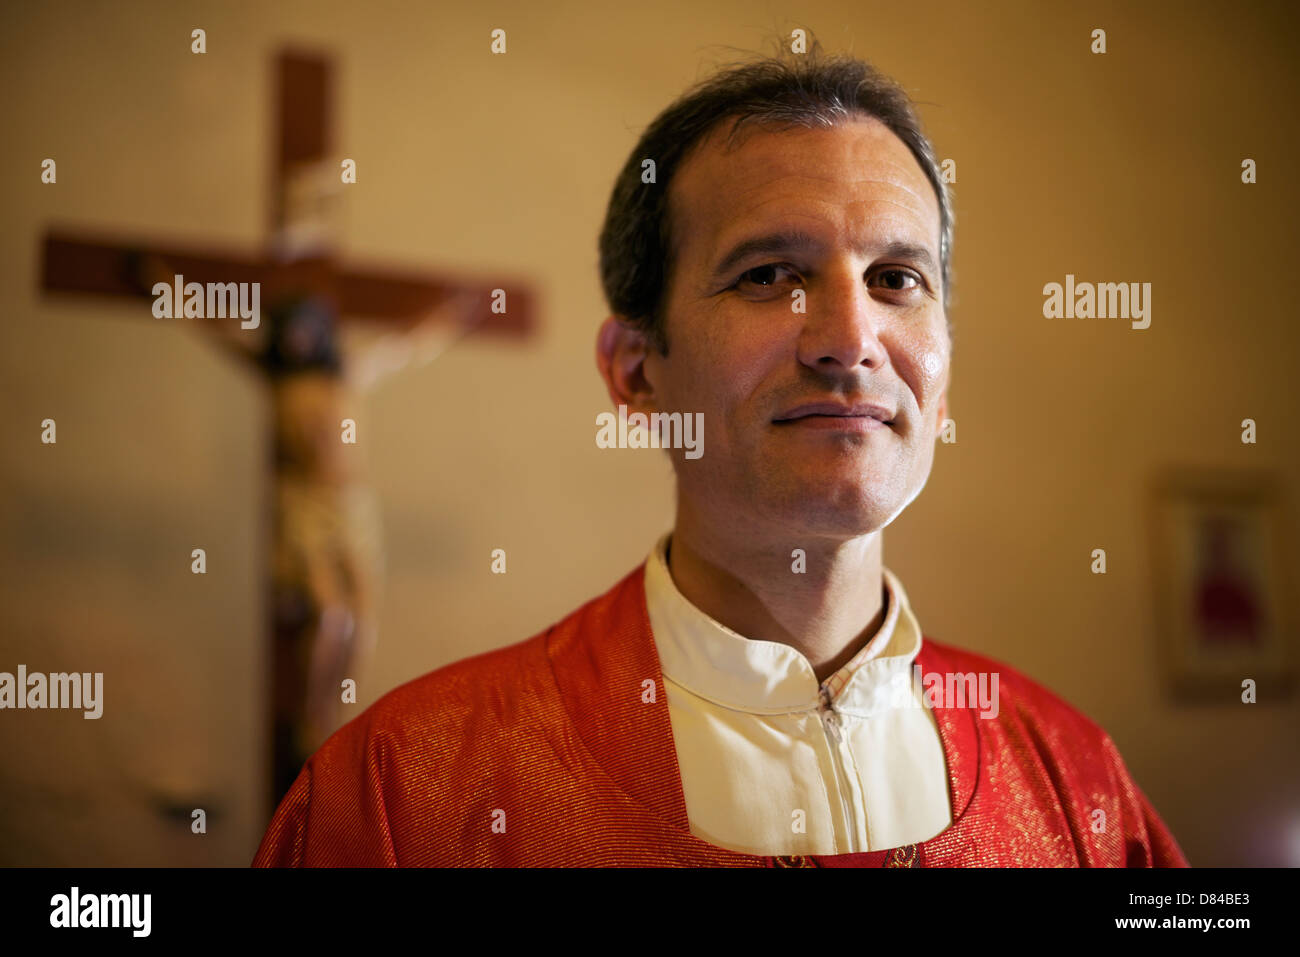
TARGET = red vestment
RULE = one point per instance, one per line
(550, 753)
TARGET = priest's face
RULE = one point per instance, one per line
(805, 320)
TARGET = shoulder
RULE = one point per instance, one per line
(1021, 701)
(1035, 728)
(364, 795)
(478, 701)
(482, 694)
(1057, 749)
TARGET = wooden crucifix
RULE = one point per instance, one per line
(325, 534)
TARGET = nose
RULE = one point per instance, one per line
(842, 328)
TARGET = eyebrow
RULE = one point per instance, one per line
(795, 240)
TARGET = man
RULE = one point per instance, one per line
(759, 691)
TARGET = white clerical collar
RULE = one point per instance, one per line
(766, 677)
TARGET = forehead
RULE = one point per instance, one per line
(856, 177)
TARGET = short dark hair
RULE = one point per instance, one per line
(782, 91)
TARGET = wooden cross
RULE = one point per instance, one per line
(322, 594)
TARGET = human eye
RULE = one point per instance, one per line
(897, 279)
(767, 276)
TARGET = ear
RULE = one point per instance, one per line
(621, 351)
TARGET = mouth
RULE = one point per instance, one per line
(863, 416)
(842, 423)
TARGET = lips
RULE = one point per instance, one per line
(840, 410)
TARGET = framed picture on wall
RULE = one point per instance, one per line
(1221, 544)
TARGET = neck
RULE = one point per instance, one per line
(745, 578)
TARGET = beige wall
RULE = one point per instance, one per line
(1115, 167)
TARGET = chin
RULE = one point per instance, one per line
(841, 499)
(848, 513)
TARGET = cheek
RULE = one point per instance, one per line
(730, 363)
(927, 372)
(931, 365)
